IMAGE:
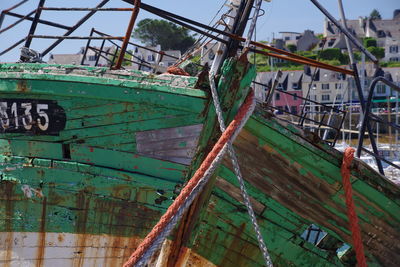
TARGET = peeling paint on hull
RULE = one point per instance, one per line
(66, 250)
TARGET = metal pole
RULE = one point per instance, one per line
(222, 46)
(397, 117)
(350, 51)
(270, 96)
(6, 11)
(73, 28)
(101, 50)
(135, 13)
(344, 30)
(365, 123)
(253, 23)
(17, 22)
(86, 48)
(46, 22)
(115, 55)
(34, 24)
(13, 46)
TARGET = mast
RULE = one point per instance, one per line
(234, 15)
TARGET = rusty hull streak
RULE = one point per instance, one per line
(235, 193)
(286, 176)
(22, 86)
(83, 202)
(42, 236)
(236, 245)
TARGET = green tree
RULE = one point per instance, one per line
(369, 42)
(127, 58)
(292, 48)
(378, 52)
(334, 55)
(167, 34)
(375, 14)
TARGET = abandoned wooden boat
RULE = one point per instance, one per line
(91, 158)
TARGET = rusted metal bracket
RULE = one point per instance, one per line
(135, 13)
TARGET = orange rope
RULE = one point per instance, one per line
(177, 71)
(171, 211)
(351, 214)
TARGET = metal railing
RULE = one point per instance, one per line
(368, 116)
(327, 129)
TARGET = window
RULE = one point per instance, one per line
(342, 76)
(325, 97)
(380, 88)
(295, 86)
(277, 96)
(211, 55)
(331, 42)
(92, 58)
(393, 49)
(325, 86)
(313, 97)
(338, 97)
(294, 96)
(287, 38)
(150, 57)
(293, 109)
(338, 86)
(280, 86)
(381, 34)
(395, 59)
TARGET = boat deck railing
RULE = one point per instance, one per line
(323, 120)
(368, 116)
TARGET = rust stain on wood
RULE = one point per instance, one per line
(234, 192)
(22, 86)
(83, 202)
(42, 236)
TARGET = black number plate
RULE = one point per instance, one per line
(33, 116)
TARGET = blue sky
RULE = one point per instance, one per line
(280, 15)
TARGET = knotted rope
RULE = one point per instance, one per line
(351, 214)
(194, 186)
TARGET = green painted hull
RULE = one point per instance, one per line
(131, 140)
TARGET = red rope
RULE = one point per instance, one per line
(225, 137)
(351, 214)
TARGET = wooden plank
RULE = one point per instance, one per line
(176, 144)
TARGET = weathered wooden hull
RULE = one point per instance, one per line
(295, 181)
(109, 172)
(86, 194)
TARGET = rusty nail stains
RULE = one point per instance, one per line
(42, 236)
(22, 86)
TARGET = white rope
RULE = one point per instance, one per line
(238, 173)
